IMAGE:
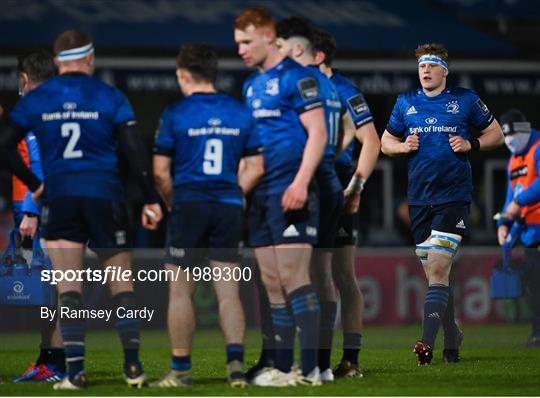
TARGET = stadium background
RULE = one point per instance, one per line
(494, 49)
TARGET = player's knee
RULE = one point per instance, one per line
(71, 300)
(444, 244)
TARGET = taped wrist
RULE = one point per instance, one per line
(356, 185)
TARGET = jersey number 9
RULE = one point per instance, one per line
(213, 157)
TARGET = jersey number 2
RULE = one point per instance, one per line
(73, 131)
(213, 157)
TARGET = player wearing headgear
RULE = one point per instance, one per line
(522, 204)
(431, 126)
(35, 68)
(202, 139)
(352, 180)
(81, 123)
(285, 101)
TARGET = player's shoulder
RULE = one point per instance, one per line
(233, 104)
(289, 69)
(341, 81)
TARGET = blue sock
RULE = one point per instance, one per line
(306, 310)
(129, 329)
(326, 332)
(235, 352)
(284, 329)
(451, 330)
(182, 364)
(73, 333)
(434, 308)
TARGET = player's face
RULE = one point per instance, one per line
(252, 45)
(284, 46)
(431, 75)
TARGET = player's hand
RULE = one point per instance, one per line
(28, 226)
(502, 233)
(459, 144)
(411, 144)
(151, 216)
(513, 210)
(294, 198)
(38, 192)
(352, 202)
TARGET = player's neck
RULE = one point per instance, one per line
(78, 66)
(436, 91)
(274, 57)
(203, 88)
(326, 70)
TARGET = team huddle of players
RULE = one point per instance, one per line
(288, 147)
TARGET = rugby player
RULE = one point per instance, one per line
(430, 125)
(35, 68)
(352, 181)
(296, 40)
(285, 101)
(203, 138)
(81, 123)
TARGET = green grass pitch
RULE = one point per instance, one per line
(493, 363)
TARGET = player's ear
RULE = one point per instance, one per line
(319, 57)
(268, 36)
(445, 73)
(298, 49)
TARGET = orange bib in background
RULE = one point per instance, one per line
(19, 189)
(522, 174)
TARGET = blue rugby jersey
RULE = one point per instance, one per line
(351, 99)
(326, 175)
(276, 98)
(207, 134)
(74, 117)
(437, 175)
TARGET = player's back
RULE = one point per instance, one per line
(276, 98)
(207, 134)
(326, 175)
(74, 117)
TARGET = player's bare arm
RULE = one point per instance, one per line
(250, 171)
(491, 137)
(347, 132)
(295, 196)
(162, 176)
(371, 146)
(393, 146)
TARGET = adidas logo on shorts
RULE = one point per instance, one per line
(291, 232)
(342, 233)
(411, 111)
(461, 225)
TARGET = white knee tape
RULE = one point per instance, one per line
(444, 243)
(422, 251)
